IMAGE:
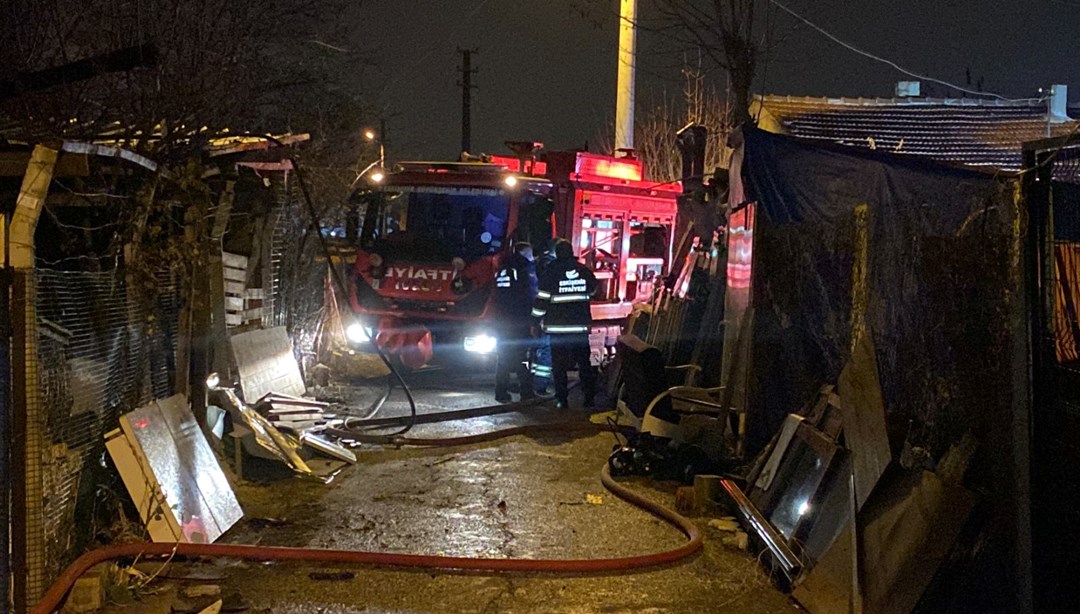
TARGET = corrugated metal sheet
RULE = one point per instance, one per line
(973, 132)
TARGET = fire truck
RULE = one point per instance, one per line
(431, 235)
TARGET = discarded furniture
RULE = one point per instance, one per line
(656, 395)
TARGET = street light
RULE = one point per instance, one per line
(377, 168)
(374, 137)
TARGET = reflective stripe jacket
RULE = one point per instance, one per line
(515, 290)
(562, 301)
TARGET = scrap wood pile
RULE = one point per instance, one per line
(686, 314)
(281, 423)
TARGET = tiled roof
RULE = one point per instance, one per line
(974, 132)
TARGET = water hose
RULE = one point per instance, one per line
(464, 440)
(56, 593)
(361, 423)
(341, 289)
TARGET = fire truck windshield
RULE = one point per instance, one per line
(434, 223)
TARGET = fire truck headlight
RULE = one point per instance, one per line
(377, 175)
(480, 344)
(358, 333)
(510, 181)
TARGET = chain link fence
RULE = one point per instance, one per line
(99, 354)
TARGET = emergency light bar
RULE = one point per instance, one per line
(593, 166)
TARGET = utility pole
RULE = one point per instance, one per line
(624, 98)
(467, 71)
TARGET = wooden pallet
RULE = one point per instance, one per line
(243, 305)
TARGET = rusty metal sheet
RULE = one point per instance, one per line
(265, 362)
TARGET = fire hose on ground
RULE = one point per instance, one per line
(55, 595)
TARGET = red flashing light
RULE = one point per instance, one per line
(537, 168)
(600, 166)
(142, 423)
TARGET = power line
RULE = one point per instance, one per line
(894, 65)
(431, 49)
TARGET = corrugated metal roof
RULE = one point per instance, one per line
(985, 133)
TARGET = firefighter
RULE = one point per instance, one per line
(541, 352)
(515, 291)
(562, 303)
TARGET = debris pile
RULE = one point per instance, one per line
(294, 414)
(280, 424)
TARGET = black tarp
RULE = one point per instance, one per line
(942, 287)
(1066, 208)
(939, 280)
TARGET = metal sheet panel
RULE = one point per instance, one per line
(199, 459)
(265, 362)
(179, 474)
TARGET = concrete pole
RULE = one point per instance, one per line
(624, 102)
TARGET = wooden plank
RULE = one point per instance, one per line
(253, 314)
(234, 288)
(254, 293)
(237, 144)
(219, 361)
(863, 409)
(221, 215)
(235, 261)
(232, 319)
(13, 164)
(234, 303)
(232, 274)
(284, 165)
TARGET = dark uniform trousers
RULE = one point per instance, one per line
(512, 352)
(568, 349)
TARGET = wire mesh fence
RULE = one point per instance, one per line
(99, 354)
(298, 271)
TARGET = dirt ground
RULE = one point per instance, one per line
(530, 497)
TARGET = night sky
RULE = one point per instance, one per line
(545, 73)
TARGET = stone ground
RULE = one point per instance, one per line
(523, 496)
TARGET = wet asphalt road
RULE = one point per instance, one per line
(524, 496)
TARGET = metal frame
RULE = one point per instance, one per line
(774, 541)
(1038, 416)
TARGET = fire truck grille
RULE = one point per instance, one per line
(424, 306)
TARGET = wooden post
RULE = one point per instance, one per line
(27, 534)
(219, 351)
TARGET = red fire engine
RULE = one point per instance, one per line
(431, 235)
